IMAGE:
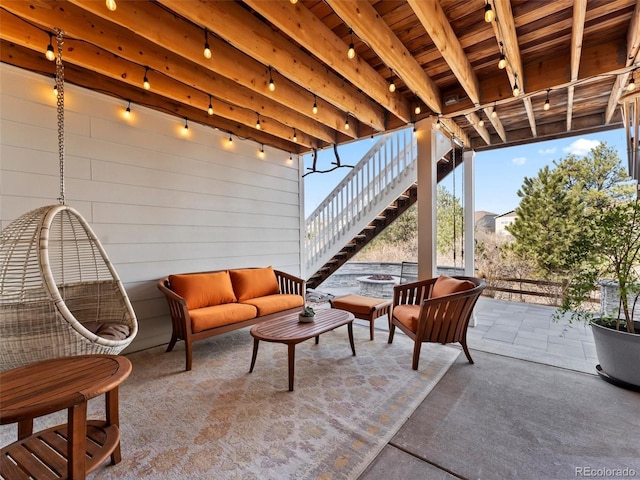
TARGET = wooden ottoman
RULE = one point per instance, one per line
(365, 308)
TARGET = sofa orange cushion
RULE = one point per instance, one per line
(203, 289)
(210, 317)
(274, 303)
(407, 315)
(254, 282)
(446, 286)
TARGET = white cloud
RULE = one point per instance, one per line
(547, 151)
(582, 146)
(519, 160)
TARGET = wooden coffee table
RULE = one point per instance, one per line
(288, 330)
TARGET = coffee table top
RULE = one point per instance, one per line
(51, 385)
(287, 329)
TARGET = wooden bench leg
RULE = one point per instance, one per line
(255, 354)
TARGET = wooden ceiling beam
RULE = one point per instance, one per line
(90, 57)
(298, 22)
(187, 40)
(497, 124)
(22, 57)
(505, 30)
(435, 22)
(633, 48)
(577, 33)
(372, 29)
(248, 34)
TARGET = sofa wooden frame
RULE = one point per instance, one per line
(181, 321)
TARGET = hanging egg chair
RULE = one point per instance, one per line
(59, 293)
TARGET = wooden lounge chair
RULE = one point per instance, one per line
(435, 310)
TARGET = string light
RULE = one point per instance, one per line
(272, 86)
(185, 130)
(346, 122)
(481, 121)
(210, 109)
(315, 105)
(50, 54)
(546, 102)
(438, 125)
(417, 110)
(230, 139)
(145, 81)
(127, 112)
(258, 122)
(293, 2)
(351, 53)
(295, 136)
(489, 14)
(502, 63)
(111, 5)
(207, 50)
(494, 114)
(261, 152)
(392, 86)
(516, 89)
(55, 89)
(631, 86)
(414, 128)
(290, 158)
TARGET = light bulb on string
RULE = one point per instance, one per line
(230, 139)
(185, 130)
(210, 109)
(346, 122)
(489, 14)
(417, 110)
(631, 86)
(207, 50)
(547, 105)
(315, 106)
(516, 89)
(258, 122)
(145, 80)
(127, 111)
(392, 86)
(481, 121)
(55, 89)
(295, 136)
(502, 63)
(351, 53)
(111, 5)
(438, 125)
(272, 86)
(50, 54)
(261, 151)
(494, 114)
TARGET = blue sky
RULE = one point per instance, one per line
(499, 172)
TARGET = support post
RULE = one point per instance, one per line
(469, 219)
(427, 187)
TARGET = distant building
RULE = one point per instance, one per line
(485, 221)
(503, 221)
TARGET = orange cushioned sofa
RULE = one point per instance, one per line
(205, 304)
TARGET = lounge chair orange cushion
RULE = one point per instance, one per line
(274, 303)
(254, 282)
(407, 315)
(203, 289)
(446, 286)
(356, 303)
(218, 315)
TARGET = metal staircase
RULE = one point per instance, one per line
(378, 190)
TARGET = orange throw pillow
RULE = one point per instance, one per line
(446, 286)
(203, 289)
(254, 282)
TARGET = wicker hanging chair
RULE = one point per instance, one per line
(59, 293)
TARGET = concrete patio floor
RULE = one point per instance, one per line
(531, 407)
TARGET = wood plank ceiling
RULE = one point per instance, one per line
(441, 56)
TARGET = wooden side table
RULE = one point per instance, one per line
(66, 451)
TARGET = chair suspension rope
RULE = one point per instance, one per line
(60, 110)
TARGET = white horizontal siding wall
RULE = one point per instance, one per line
(160, 202)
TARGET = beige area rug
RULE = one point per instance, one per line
(221, 422)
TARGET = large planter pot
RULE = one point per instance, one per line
(619, 354)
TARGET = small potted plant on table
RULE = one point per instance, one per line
(307, 315)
